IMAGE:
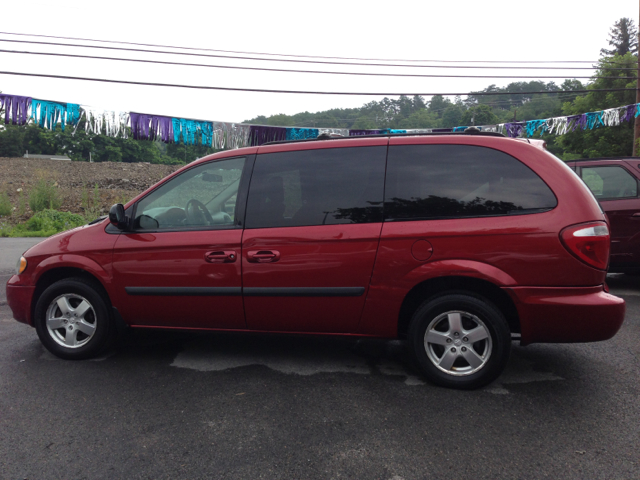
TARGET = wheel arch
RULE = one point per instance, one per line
(52, 275)
(437, 286)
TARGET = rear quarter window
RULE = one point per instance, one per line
(457, 181)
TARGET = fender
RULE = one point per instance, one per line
(74, 261)
(389, 288)
(458, 268)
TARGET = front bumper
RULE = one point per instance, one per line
(567, 314)
(19, 298)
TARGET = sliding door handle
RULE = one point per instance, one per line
(263, 256)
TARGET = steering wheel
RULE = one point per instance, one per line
(197, 213)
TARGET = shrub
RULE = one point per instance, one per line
(5, 205)
(44, 196)
(46, 223)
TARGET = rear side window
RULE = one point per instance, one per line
(317, 187)
(454, 181)
(610, 182)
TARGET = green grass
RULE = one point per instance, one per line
(44, 224)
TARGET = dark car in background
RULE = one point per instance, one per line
(614, 183)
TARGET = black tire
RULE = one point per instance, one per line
(470, 340)
(86, 322)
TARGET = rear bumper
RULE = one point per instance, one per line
(567, 314)
(19, 299)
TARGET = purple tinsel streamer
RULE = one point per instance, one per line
(514, 129)
(15, 107)
(629, 113)
(259, 135)
(360, 133)
(148, 127)
(575, 121)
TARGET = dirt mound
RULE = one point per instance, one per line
(117, 182)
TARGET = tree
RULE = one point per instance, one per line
(480, 115)
(439, 104)
(420, 119)
(11, 142)
(601, 142)
(451, 116)
(623, 37)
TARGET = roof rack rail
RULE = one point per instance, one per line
(379, 135)
(617, 157)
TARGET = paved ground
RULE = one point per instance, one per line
(248, 407)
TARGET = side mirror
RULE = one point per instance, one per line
(117, 216)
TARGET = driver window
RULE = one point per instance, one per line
(203, 196)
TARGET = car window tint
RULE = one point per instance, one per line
(452, 181)
(610, 182)
(202, 197)
(317, 187)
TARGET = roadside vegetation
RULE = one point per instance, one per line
(44, 200)
(44, 224)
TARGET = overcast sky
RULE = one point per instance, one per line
(419, 30)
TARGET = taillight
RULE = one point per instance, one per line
(589, 242)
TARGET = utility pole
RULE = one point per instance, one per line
(636, 124)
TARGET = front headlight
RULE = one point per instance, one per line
(21, 266)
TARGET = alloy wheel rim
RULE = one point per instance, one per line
(71, 320)
(458, 343)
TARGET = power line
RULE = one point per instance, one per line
(374, 94)
(294, 56)
(304, 61)
(295, 71)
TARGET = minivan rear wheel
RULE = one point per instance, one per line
(460, 340)
(72, 319)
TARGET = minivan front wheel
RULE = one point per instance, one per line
(460, 340)
(72, 319)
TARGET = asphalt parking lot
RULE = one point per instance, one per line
(184, 405)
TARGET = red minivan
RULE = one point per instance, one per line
(614, 182)
(458, 243)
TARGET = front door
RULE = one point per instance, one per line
(180, 265)
(312, 230)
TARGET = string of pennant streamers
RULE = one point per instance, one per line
(226, 136)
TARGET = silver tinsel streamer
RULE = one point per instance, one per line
(98, 121)
(93, 120)
(229, 136)
(611, 117)
(338, 131)
(557, 125)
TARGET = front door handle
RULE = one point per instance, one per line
(221, 256)
(263, 256)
